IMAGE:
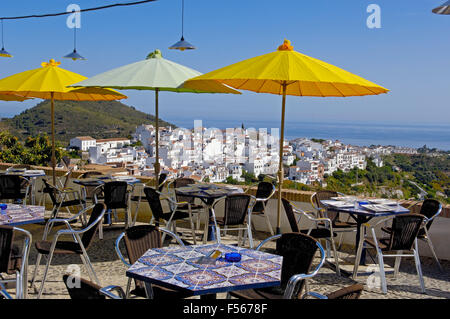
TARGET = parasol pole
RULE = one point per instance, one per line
(157, 137)
(52, 102)
(280, 167)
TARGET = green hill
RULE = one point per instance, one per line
(102, 119)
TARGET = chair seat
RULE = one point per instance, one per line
(160, 293)
(117, 206)
(136, 198)
(72, 202)
(15, 261)
(340, 224)
(177, 215)
(318, 233)
(264, 293)
(194, 207)
(62, 247)
(221, 221)
(382, 243)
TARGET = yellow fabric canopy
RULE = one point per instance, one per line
(303, 75)
(50, 82)
(51, 79)
(287, 72)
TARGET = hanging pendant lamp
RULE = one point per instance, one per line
(3, 52)
(182, 44)
(74, 55)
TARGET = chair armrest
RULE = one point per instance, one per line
(295, 279)
(3, 292)
(315, 295)
(118, 252)
(108, 292)
(265, 241)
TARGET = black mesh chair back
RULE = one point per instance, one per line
(88, 236)
(324, 195)
(298, 252)
(10, 187)
(290, 215)
(264, 190)
(116, 195)
(236, 209)
(154, 202)
(161, 181)
(181, 182)
(429, 208)
(51, 191)
(139, 239)
(80, 288)
(405, 229)
(6, 244)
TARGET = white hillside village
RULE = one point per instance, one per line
(216, 155)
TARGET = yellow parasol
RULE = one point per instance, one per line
(50, 82)
(287, 72)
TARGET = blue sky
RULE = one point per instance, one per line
(409, 54)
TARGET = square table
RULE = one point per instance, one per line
(208, 194)
(16, 215)
(176, 268)
(362, 214)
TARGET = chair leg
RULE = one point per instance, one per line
(430, 244)
(382, 273)
(127, 292)
(47, 266)
(90, 268)
(250, 236)
(398, 261)
(336, 257)
(358, 258)
(192, 226)
(269, 225)
(419, 267)
(38, 261)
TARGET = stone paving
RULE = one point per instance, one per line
(111, 271)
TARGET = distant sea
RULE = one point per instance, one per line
(361, 134)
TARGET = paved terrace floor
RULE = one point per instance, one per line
(111, 271)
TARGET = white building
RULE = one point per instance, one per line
(83, 143)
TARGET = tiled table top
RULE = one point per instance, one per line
(207, 190)
(16, 215)
(176, 268)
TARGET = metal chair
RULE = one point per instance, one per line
(3, 293)
(141, 197)
(137, 240)
(116, 196)
(339, 225)
(325, 232)
(87, 191)
(61, 199)
(430, 208)
(264, 192)
(403, 237)
(13, 260)
(11, 188)
(189, 200)
(154, 199)
(351, 292)
(82, 240)
(82, 289)
(298, 251)
(237, 212)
